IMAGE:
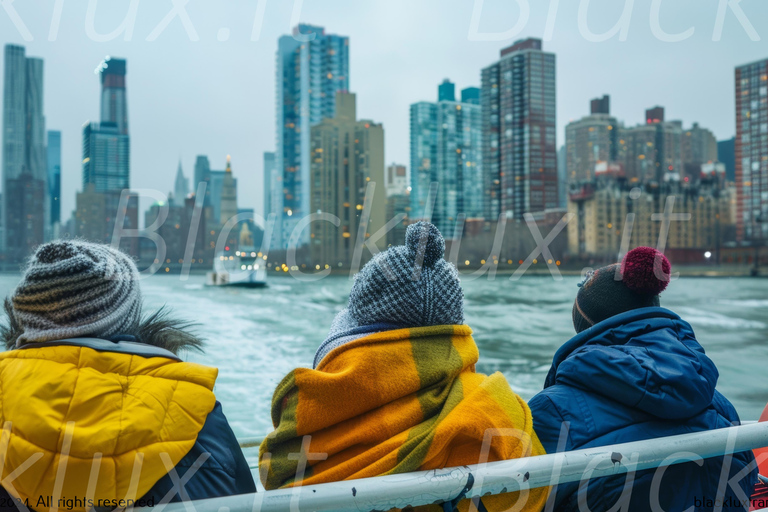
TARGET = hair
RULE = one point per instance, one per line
(158, 329)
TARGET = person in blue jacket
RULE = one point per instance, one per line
(635, 371)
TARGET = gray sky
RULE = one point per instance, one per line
(217, 97)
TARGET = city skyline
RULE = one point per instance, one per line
(218, 76)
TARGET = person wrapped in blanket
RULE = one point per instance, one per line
(393, 388)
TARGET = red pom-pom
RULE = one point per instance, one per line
(646, 270)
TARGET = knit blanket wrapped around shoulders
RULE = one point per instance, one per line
(394, 402)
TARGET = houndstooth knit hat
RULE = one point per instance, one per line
(76, 288)
(410, 285)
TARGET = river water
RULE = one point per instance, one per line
(256, 336)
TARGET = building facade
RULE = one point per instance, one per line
(270, 169)
(54, 183)
(726, 154)
(312, 67)
(397, 181)
(590, 140)
(601, 208)
(653, 151)
(24, 169)
(446, 144)
(519, 131)
(97, 214)
(106, 157)
(106, 145)
(228, 209)
(699, 147)
(347, 157)
(180, 186)
(751, 150)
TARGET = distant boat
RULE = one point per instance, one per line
(243, 268)
(246, 267)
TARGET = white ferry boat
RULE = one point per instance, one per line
(242, 267)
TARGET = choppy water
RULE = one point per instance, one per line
(255, 337)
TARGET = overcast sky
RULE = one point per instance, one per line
(215, 96)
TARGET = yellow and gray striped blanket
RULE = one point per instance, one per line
(395, 402)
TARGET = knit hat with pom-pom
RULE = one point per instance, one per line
(410, 285)
(634, 283)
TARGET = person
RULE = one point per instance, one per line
(636, 371)
(97, 408)
(393, 388)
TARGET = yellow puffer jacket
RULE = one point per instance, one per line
(60, 406)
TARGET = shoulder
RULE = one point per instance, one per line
(552, 421)
(217, 462)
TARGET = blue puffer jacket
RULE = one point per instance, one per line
(638, 375)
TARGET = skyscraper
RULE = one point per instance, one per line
(269, 178)
(590, 140)
(752, 151)
(726, 153)
(106, 145)
(228, 208)
(446, 142)
(54, 181)
(653, 151)
(519, 131)
(698, 146)
(347, 155)
(180, 186)
(312, 67)
(106, 165)
(114, 103)
(24, 167)
(202, 171)
(446, 91)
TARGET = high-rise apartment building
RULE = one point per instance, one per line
(24, 168)
(54, 182)
(446, 143)
(699, 146)
(591, 140)
(752, 151)
(312, 67)
(347, 156)
(519, 131)
(653, 151)
(106, 145)
(601, 208)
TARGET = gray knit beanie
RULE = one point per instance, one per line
(410, 285)
(74, 288)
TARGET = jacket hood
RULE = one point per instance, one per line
(64, 406)
(646, 359)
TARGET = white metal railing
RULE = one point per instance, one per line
(428, 487)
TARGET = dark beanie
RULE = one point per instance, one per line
(635, 283)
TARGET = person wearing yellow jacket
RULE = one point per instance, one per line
(97, 410)
(393, 388)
